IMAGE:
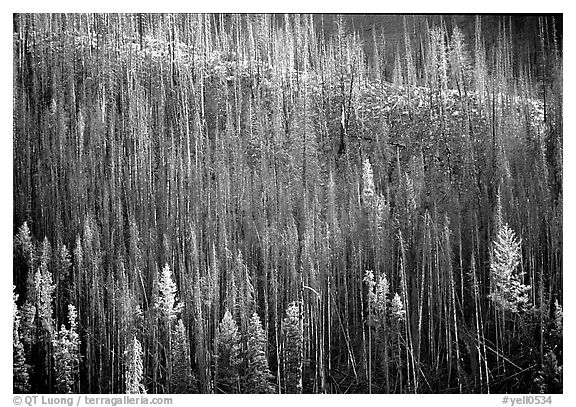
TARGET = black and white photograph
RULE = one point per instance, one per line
(266, 203)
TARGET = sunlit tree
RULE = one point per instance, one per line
(228, 359)
(257, 372)
(508, 292)
(19, 366)
(134, 370)
(67, 354)
(292, 333)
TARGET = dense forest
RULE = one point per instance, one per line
(286, 204)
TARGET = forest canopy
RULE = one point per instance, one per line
(287, 203)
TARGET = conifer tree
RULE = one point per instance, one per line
(44, 297)
(168, 309)
(368, 192)
(382, 307)
(459, 61)
(397, 309)
(549, 377)
(377, 295)
(24, 252)
(382, 291)
(228, 357)
(134, 373)
(397, 327)
(293, 338)
(44, 288)
(182, 377)
(166, 301)
(380, 315)
(372, 298)
(23, 244)
(258, 374)
(67, 355)
(558, 324)
(508, 293)
(19, 367)
(28, 325)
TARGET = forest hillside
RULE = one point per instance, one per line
(260, 204)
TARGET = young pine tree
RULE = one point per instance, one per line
(258, 374)
(397, 327)
(182, 378)
(166, 301)
(19, 367)
(378, 301)
(27, 321)
(66, 347)
(557, 328)
(44, 288)
(134, 369)
(167, 310)
(292, 333)
(24, 256)
(379, 310)
(228, 357)
(44, 331)
(549, 377)
(508, 293)
(23, 244)
(368, 190)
